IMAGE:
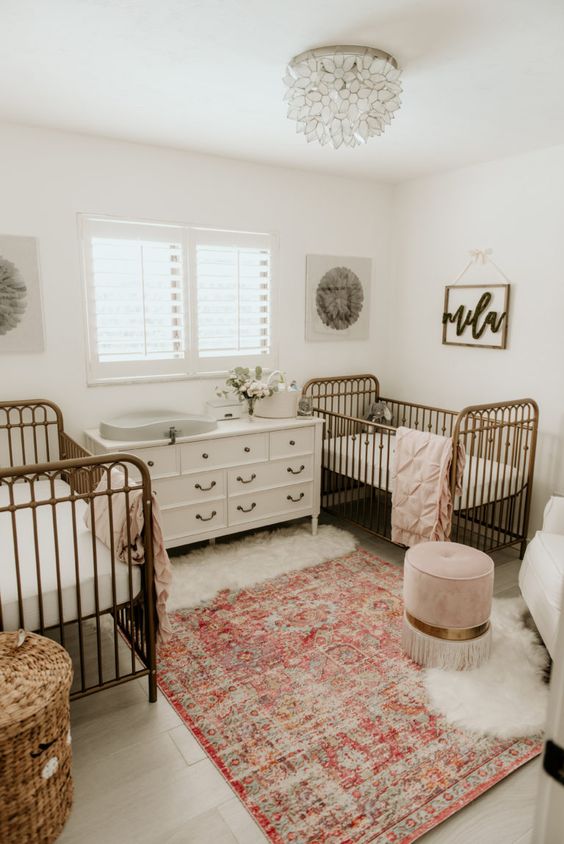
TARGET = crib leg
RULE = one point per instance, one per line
(522, 549)
(152, 687)
(314, 522)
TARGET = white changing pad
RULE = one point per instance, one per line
(369, 458)
(47, 557)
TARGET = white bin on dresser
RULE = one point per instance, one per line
(244, 475)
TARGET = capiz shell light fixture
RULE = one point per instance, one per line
(342, 95)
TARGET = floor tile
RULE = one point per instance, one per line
(241, 823)
(115, 718)
(208, 828)
(500, 816)
(527, 838)
(187, 744)
(506, 575)
(149, 807)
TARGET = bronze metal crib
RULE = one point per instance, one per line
(56, 577)
(499, 440)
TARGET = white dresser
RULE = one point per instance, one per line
(245, 474)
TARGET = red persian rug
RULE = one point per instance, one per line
(299, 692)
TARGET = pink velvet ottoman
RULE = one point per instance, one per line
(447, 590)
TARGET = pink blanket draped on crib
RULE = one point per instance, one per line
(421, 495)
(118, 525)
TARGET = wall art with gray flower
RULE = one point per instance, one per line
(21, 319)
(337, 297)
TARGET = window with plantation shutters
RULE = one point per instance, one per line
(233, 292)
(171, 301)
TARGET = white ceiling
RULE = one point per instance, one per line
(482, 78)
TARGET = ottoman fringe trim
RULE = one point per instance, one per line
(453, 655)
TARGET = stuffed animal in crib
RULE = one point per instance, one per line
(379, 412)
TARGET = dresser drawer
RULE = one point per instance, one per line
(223, 451)
(195, 518)
(264, 475)
(270, 502)
(183, 489)
(290, 442)
(161, 460)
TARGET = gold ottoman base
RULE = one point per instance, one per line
(451, 648)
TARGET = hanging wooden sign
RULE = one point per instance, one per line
(476, 315)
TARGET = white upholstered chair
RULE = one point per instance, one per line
(541, 577)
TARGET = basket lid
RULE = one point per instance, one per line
(32, 670)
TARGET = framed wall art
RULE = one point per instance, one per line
(21, 315)
(337, 297)
(476, 315)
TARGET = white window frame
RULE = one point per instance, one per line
(191, 366)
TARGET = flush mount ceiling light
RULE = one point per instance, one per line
(342, 95)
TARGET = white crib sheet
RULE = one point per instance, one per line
(358, 457)
(47, 556)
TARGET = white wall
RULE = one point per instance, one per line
(47, 177)
(516, 207)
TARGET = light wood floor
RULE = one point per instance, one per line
(141, 777)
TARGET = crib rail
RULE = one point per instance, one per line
(82, 479)
(421, 417)
(356, 474)
(29, 431)
(351, 395)
(66, 584)
(500, 444)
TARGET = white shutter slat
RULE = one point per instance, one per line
(233, 292)
(136, 295)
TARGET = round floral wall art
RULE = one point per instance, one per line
(12, 296)
(339, 298)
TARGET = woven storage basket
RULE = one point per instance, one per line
(280, 405)
(35, 750)
(283, 405)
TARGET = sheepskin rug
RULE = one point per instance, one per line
(507, 696)
(199, 575)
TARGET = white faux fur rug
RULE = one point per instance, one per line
(199, 575)
(507, 696)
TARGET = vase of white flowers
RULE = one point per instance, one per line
(247, 384)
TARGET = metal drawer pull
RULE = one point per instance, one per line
(246, 449)
(205, 456)
(205, 488)
(296, 471)
(248, 509)
(209, 518)
(299, 498)
(243, 481)
(150, 462)
(292, 442)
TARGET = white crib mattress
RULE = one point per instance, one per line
(47, 557)
(359, 457)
